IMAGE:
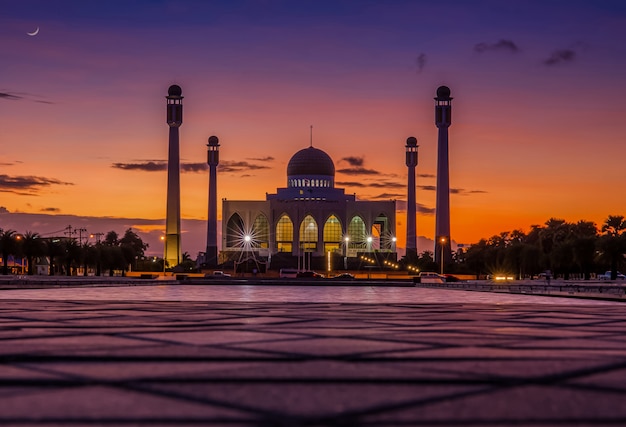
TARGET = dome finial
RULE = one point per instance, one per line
(311, 144)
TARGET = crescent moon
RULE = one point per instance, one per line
(34, 33)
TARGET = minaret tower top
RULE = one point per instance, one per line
(174, 106)
(411, 151)
(443, 104)
(213, 151)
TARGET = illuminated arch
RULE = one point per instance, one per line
(284, 234)
(261, 232)
(234, 231)
(308, 234)
(332, 234)
(357, 233)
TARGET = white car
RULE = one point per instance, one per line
(607, 276)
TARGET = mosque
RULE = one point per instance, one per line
(310, 224)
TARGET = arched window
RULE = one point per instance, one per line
(261, 232)
(308, 234)
(234, 231)
(284, 234)
(332, 234)
(357, 233)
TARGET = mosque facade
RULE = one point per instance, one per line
(308, 220)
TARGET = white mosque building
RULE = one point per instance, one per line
(309, 221)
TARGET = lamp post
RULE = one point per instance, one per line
(163, 240)
(346, 241)
(443, 243)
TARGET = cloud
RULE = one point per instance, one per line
(350, 184)
(151, 166)
(27, 184)
(421, 62)
(426, 175)
(560, 56)
(387, 196)
(10, 96)
(377, 184)
(233, 166)
(353, 160)
(193, 167)
(501, 45)
(358, 171)
(401, 207)
(53, 210)
(262, 159)
(15, 96)
(159, 165)
(386, 184)
(459, 191)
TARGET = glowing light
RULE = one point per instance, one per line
(247, 238)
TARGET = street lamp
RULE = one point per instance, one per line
(443, 242)
(346, 240)
(163, 240)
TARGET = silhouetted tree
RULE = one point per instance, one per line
(32, 247)
(133, 248)
(613, 242)
(53, 249)
(8, 246)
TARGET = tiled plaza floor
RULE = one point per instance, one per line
(292, 363)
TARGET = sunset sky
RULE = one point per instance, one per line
(539, 109)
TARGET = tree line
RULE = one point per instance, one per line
(67, 255)
(562, 247)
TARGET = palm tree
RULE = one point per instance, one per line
(613, 242)
(32, 247)
(614, 225)
(53, 249)
(8, 245)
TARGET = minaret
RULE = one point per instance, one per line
(173, 250)
(443, 119)
(411, 228)
(213, 159)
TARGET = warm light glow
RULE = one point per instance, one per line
(247, 238)
(329, 263)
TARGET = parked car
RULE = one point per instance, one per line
(344, 276)
(219, 273)
(607, 276)
(309, 275)
(288, 273)
(429, 277)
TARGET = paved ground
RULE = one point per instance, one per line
(247, 356)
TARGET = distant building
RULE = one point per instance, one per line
(310, 223)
